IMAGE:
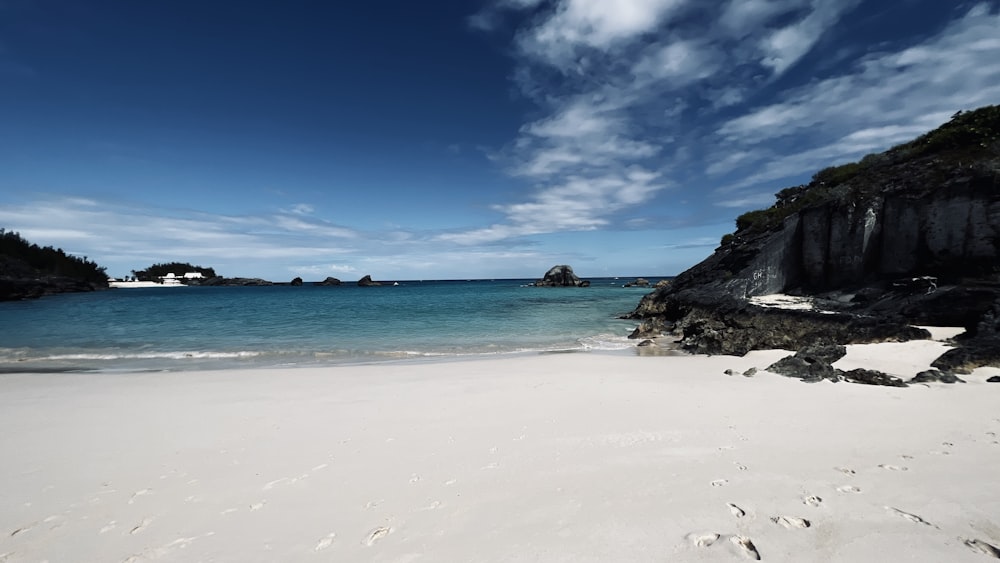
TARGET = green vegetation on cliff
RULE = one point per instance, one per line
(970, 139)
(156, 271)
(22, 259)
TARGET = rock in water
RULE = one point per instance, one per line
(561, 276)
(367, 282)
(329, 281)
(296, 282)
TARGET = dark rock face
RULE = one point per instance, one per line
(561, 276)
(911, 236)
(296, 282)
(367, 282)
(329, 281)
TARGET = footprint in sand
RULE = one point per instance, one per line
(812, 500)
(791, 522)
(979, 546)
(139, 494)
(703, 540)
(720, 482)
(889, 467)
(845, 470)
(107, 528)
(848, 489)
(735, 510)
(23, 529)
(911, 517)
(376, 534)
(140, 526)
(746, 546)
(325, 542)
(740, 466)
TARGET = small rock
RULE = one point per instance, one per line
(936, 375)
(729, 372)
(873, 377)
(994, 379)
(646, 342)
(750, 372)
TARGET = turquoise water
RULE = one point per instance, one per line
(187, 328)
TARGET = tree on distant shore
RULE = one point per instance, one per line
(157, 271)
(45, 260)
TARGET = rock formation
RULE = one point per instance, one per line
(367, 282)
(220, 281)
(638, 282)
(911, 235)
(296, 282)
(329, 281)
(561, 276)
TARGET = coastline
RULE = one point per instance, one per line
(543, 457)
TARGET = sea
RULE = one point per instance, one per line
(199, 328)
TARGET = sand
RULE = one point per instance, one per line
(561, 457)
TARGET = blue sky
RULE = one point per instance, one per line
(453, 138)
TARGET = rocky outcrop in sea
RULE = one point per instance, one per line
(561, 276)
(909, 236)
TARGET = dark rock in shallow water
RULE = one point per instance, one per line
(872, 377)
(367, 282)
(639, 282)
(646, 343)
(561, 276)
(994, 379)
(296, 282)
(648, 329)
(329, 281)
(750, 372)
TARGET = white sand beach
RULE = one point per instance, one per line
(561, 457)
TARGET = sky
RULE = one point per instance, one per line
(453, 139)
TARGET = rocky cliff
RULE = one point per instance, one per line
(928, 209)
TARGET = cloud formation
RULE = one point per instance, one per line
(641, 96)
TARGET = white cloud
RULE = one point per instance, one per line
(886, 99)
(785, 46)
(577, 26)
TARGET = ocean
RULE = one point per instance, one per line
(194, 328)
